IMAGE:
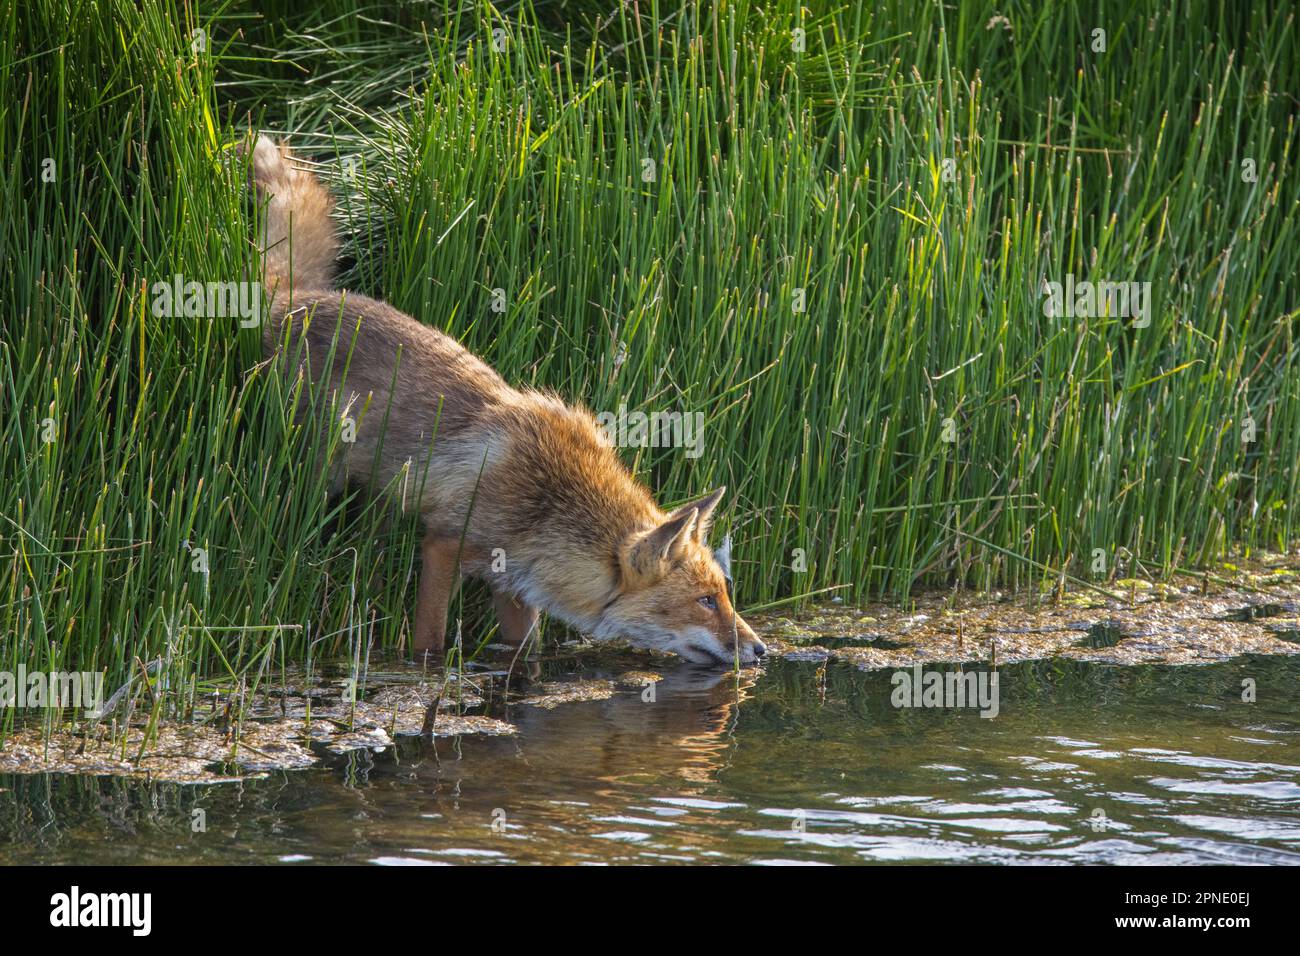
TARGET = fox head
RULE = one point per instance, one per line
(672, 593)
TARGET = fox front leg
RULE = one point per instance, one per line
(439, 578)
(517, 620)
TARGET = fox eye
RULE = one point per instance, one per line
(710, 602)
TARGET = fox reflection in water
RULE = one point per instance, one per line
(680, 727)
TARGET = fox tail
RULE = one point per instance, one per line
(297, 236)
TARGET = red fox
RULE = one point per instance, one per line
(516, 487)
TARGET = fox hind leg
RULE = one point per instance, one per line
(517, 620)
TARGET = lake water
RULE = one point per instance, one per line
(1085, 763)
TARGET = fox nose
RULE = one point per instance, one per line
(759, 648)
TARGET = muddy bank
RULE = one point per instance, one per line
(283, 729)
(236, 734)
(1191, 620)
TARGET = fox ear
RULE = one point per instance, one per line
(705, 507)
(651, 554)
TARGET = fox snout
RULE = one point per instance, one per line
(734, 642)
(740, 645)
(747, 645)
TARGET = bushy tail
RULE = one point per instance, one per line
(298, 239)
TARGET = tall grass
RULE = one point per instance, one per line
(836, 254)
